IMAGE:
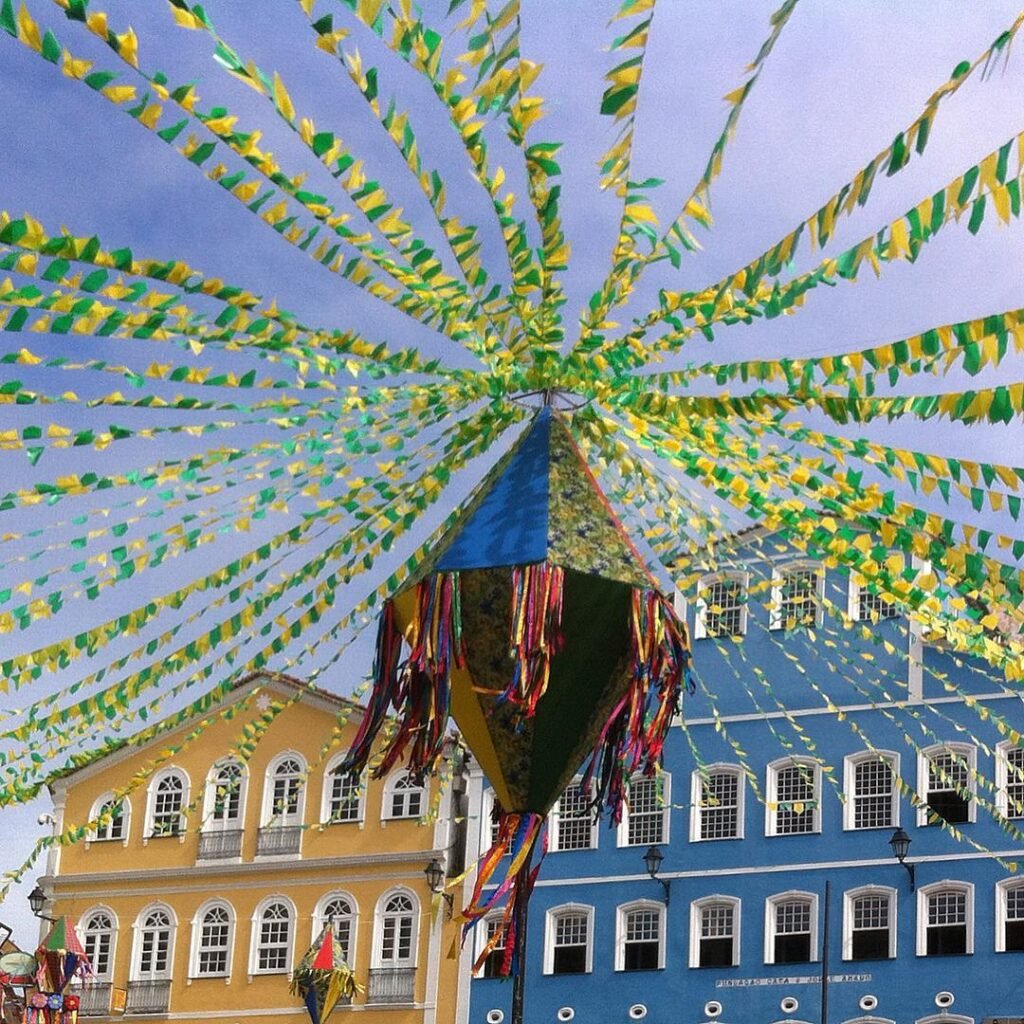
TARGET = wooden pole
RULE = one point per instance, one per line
(824, 953)
(521, 911)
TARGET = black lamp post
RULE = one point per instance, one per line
(652, 860)
(435, 881)
(900, 844)
(36, 901)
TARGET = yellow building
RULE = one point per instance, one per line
(202, 893)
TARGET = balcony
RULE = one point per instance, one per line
(148, 997)
(392, 985)
(95, 996)
(279, 840)
(220, 845)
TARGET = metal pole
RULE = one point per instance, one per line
(824, 953)
(522, 907)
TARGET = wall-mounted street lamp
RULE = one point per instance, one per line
(900, 844)
(652, 860)
(36, 901)
(435, 881)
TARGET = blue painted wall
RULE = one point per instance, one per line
(750, 684)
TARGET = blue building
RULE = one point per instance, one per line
(823, 723)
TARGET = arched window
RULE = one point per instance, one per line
(947, 784)
(716, 803)
(640, 936)
(154, 944)
(791, 928)
(1010, 780)
(798, 590)
(573, 823)
(168, 797)
(404, 797)
(794, 797)
(212, 940)
(112, 817)
(715, 932)
(343, 795)
(945, 919)
(869, 923)
(396, 928)
(1010, 916)
(496, 956)
(721, 605)
(272, 936)
(645, 818)
(225, 794)
(568, 939)
(339, 910)
(284, 791)
(872, 795)
(98, 929)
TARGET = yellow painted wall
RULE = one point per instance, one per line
(365, 860)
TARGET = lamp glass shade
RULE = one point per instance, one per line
(653, 858)
(900, 844)
(36, 899)
(435, 875)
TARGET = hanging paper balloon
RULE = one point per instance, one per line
(538, 628)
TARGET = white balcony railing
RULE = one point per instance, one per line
(277, 840)
(148, 997)
(220, 845)
(392, 985)
(95, 999)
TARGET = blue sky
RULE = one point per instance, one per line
(842, 81)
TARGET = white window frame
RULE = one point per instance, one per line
(550, 921)
(134, 972)
(922, 912)
(770, 905)
(480, 939)
(377, 961)
(1003, 887)
(325, 797)
(850, 764)
(967, 752)
(488, 802)
(869, 890)
(197, 934)
(254, 940)
(664, 781)
(93, 835)
(1003, 780)
(622, 911)
(154, 785)
(320, 919)
(779, 573)
(771, 796)
(554, 826)
(696, 913)
(268, 819)
(700, 628)
(697, 794)
(853, 604)
(83, 930)
(210, 824)
(386, 813)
